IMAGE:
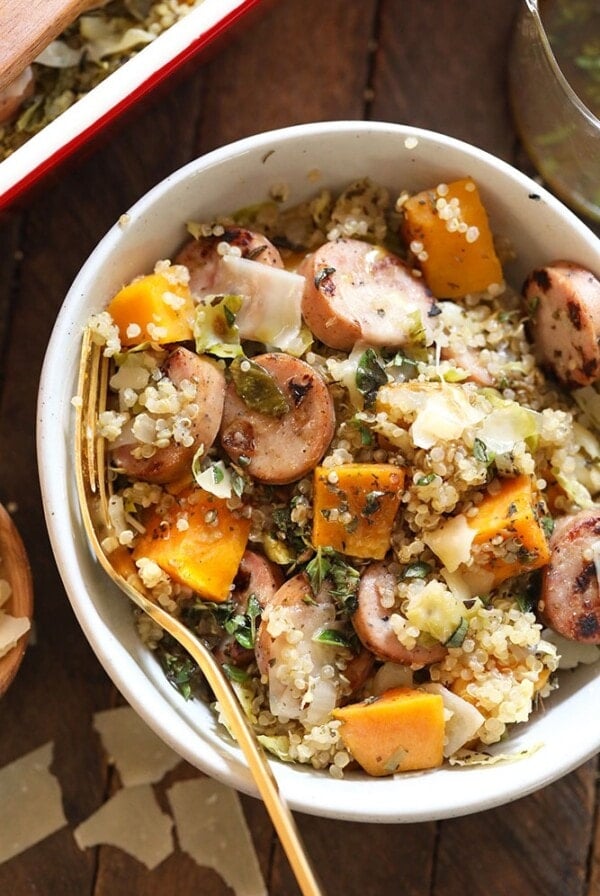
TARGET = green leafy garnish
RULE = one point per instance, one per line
(370, 375)
(419, 570)
(258, 388)
(459, 634)
(333, 637)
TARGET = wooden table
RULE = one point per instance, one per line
(440, 64)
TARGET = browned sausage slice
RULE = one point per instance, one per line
(202, 258)
(280, 449)
(564, 301)
(570, 599)
(355, 291)
(372, 625)
(167, 464)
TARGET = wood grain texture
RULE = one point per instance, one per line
(422, 62)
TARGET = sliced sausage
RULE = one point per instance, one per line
(202, 258)
(355, 291)
(280, 449)
(256, 577)
(564, 302)
(372, 622)
(570, 598)
(167, 464)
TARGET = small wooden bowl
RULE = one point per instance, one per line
(14, 566)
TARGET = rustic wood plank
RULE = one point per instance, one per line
(270, 78)
(433, 70)
(532, 847)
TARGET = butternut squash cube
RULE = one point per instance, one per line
(199, 542)
(155, 308)
(509, 514)
(449, 233)
(400, 731)
(355, 506)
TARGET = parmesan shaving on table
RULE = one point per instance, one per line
(132, 821)
(30, 802)
(138, 754)
(11, 627)
(211, 828)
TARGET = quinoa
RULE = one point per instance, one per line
(456, 415)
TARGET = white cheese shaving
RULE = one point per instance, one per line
(451, 542)
(211, 828)
(463, 720)
(272, 312)
(216, 479)
(444, 417)
(11, 629)
(132, 821)
(138, 754)
(31, 805)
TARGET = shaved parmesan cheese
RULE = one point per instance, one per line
(451, 542)
(138, 754)
(463, 720)
(11, 629)
(444, 417)
(30, 805)
(216, 479)
(272, 312)
(212, 829)
(132, 821)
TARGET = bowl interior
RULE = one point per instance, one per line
(304, 158)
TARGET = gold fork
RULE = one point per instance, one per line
(93, 492)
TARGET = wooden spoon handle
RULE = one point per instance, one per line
(14, 567)
(26, 28)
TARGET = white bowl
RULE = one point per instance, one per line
(399, 157)
(80, 123)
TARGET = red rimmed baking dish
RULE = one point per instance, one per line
(188, 38)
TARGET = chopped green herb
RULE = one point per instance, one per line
(258, 388)
(373, 502)
(419, 570)
(370, 375)
(459, 634)
(333, 637)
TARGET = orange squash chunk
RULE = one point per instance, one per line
(400, 731)
(458, 261)
(510, 514)
(355, 506)
(153, 309)
(199, 542)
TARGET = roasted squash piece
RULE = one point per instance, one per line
(510, 517)
(355, 506)
(448, 231)
(199, 542)
(400, 731)
(156, 308)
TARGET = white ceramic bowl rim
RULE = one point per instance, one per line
(345, 150)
